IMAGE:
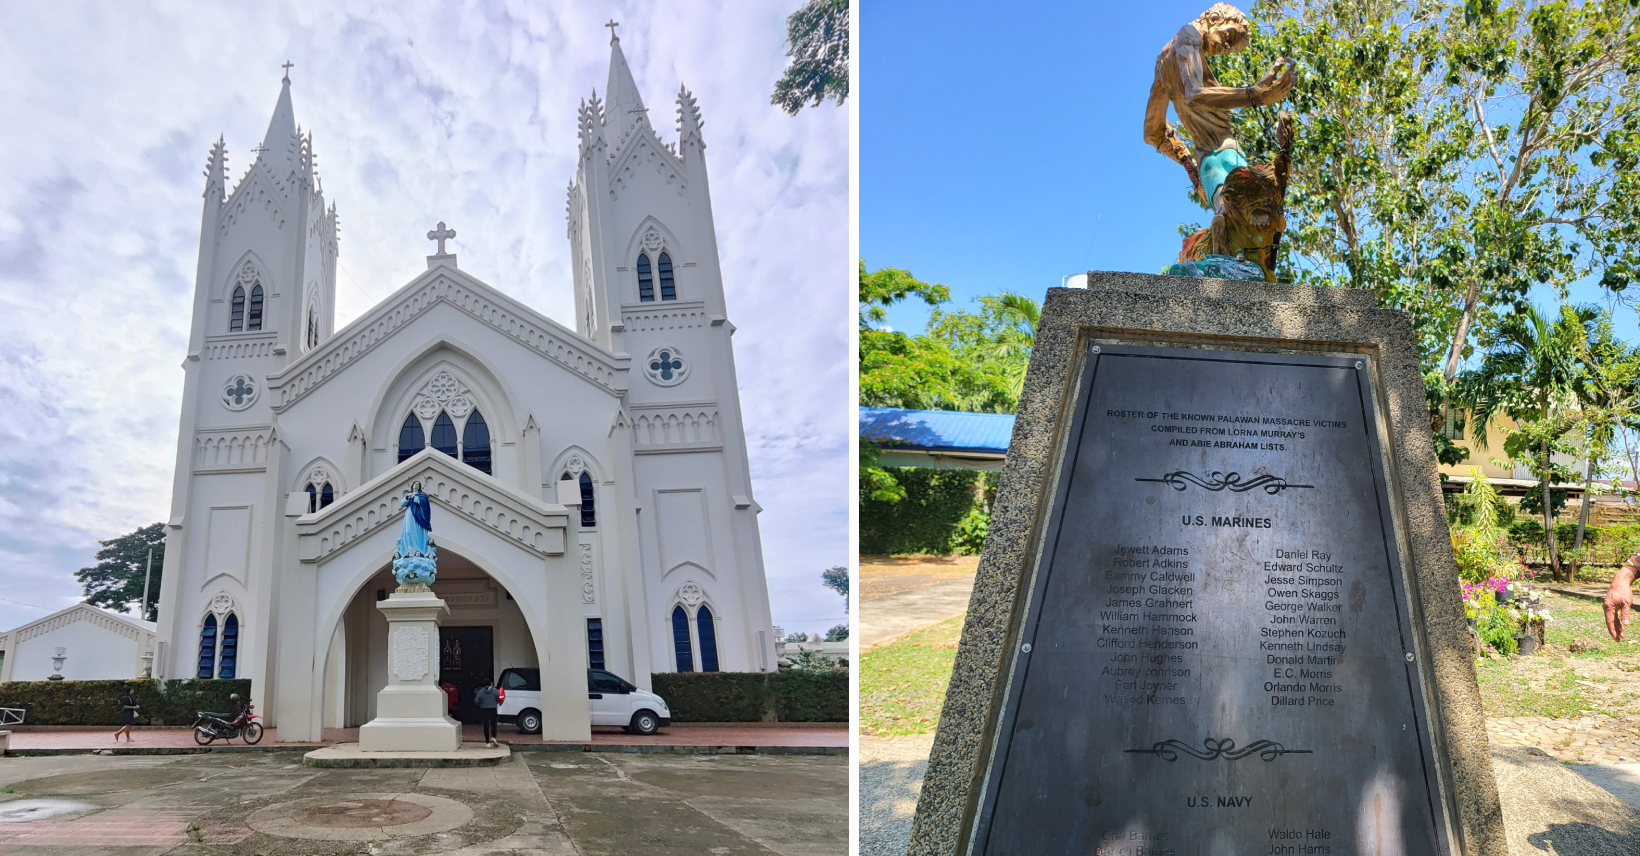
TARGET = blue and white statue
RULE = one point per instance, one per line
(415, 559)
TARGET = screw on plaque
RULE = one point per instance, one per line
(1409, 656)
(1096, 349)
(1026, 647)
(1360, 365)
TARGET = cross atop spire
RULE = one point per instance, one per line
(287, 67)
(613, 38)
(441, 234)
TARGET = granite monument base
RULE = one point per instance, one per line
(411, 710)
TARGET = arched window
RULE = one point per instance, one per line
(312, 330)
(444, 434)
(207, 648)
(230, 646)
(668, 291)
(327, 496)
(313, 498)
(680, 640)
(708, 639)
(254, 320)
(475, 443)
(589, 514)
(646, 283)
(236, 322)
(410, 437)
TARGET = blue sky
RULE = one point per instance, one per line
(420, 111)
(1002, 147)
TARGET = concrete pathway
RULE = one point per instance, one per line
(535, 804)
(882, 621)
(1548, 807)
(796, 734)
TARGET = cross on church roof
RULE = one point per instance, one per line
(613, 38)
(287, 67)
(259, 149)
(441, 234)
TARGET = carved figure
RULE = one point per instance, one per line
(1242, 209)
(415, 558)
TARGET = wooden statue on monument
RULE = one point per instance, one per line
(411, 709)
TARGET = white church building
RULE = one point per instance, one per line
(592, 500)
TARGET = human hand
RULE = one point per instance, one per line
(1619, 602)
(1277, 82)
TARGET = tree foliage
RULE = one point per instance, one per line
(116, 580)
(836, 579)
(817, 43)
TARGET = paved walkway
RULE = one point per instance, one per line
(828, 734)
(535, 804)
(1580, 740)
(899, 594)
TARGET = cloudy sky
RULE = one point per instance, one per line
(463, 112)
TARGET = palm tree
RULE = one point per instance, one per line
(1607, 389)
(1016, 317)
(1530, 373)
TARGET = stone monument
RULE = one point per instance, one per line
(411, 710)
(1217, 610)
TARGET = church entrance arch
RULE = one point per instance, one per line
(485, 632)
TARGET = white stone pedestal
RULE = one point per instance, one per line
(410, 710)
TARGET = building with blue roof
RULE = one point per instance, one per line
(938, 439)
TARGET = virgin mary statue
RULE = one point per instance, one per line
(415, 559)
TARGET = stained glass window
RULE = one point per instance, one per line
(668, 291)
(236, 322)
(646, 283)
(708, 639)
(411, 439)
(475, 443)
(589, 514)
(680, 640)
(207, 648)
(230, 646)
(254, 321)
(444, 434)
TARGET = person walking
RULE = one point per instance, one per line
(488, 699)
(128, 716)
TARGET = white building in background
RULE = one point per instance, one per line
(81, 643)
(592, 500)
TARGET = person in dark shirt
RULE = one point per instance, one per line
(488, 699)
(128, 716)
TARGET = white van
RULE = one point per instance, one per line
(613, 702)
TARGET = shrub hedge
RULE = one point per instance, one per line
(97, 702)
(790, 696)
(925, 521)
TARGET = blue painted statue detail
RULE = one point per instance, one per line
(415, 560)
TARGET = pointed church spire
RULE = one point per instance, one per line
(216, 172)
(279, 144)
(689, 121)
(623, 108)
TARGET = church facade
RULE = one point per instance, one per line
(592, 499)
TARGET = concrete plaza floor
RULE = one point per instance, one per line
(539, 802)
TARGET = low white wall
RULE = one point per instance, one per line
(93, 654)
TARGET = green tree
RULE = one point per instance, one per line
(836, 579)
(837, 634)
(1606, 391)
(1530, 373)
(817, 43)
(116, 580)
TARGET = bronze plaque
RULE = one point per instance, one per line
(1216, 657)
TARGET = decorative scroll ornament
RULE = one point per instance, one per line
(410, 653)
(586, 574)
(222, 604)
(666, 366)
(1266, 750)
(691, 594)
(652, 240)
(446, 393)
(1217, 481)
(240, 392)
(415, 557)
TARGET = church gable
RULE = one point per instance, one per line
(523, 325)
(646, 155)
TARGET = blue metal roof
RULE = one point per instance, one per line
(937, 430)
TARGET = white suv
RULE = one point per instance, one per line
(613, 702)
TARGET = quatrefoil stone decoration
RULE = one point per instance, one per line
(240, 392)
(666, 366)
(652, 240)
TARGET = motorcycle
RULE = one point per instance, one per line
(217, 726)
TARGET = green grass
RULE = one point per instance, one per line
(902, 684)
(1546, 684)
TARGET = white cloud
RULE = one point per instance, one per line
(420, 112)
